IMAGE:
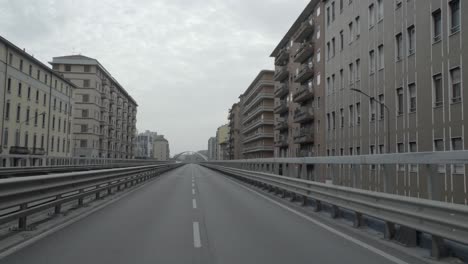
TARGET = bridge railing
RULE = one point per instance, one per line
(403, 215)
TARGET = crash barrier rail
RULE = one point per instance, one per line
(12, 160)
(22, 197)
(403, 216)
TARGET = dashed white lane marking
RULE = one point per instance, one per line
(196, 235)
(194, 204)
(326, 227)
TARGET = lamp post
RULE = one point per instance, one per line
(387, 110)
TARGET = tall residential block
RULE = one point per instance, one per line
(144, 144)
(258, 118)
(222, 137)
(299, 91)
(36, 106)
(104, 113)
(235, 135)
(212, 147)
(161, 149)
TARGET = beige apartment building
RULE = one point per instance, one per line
(299, 90)
(257, 117)
(222, 137)
(36, 106)
(104, 113)
(161, 148)
(235, 135)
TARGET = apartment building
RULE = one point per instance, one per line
(235, 135)
(394, 83)
(212, 148)
(222, 137)
(257, 126)
(299, 90)
(37, 106)
(161, 149)
(104, 113)
(144, 144)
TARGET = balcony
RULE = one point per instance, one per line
(282, 125)
(255, 124)
(304, 52)
(281, 90)
(19, 150)
(281, 73)
(257, 136)
(304, 31)
(305, 73)
(303, 115)
(258, 149)
(281, 107)
(38, 151)
(305, 136)
(282, 142)
(256, 112)
(303, 94)
(282, 58)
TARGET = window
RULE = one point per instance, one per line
(59, 124)
(7, 110)
(333, 120)
(358, 113)
(58, 144)
(20, 86)
(412, 97)
(45, 78)
(372, 109)
(411, 40)
(85, 98)
(43, 120)
(53, 123)
(341, 6)
(67, 68)
(42, 141)
(27, 116)
(351, 73)
(351, 37)
(18, 113)
(84, 128)
(30, 70)
(333, 11)
(457, 144)
(454, 16)
(382, 149)
(5, 137)
(333, 47)
(36, 115)
(358, 27)
(438, 93)
(87, 68)
(84, 113)
(52, 144)
(437, 24)
(44, 99)
(341, 79)
(9, 85)
(381, 107)
(413, 148)
(358, 70)
(341, 117)
(21, 65)
(371, 15)
(333, 83)
(380, 10)
(351, 116)
(341, 40)
(455, 78)
(328, 51)
(439, 146)
(10, 59)
(399, 46)
(328, 121)
(37, 96)
(381, 61)
(29, 93)
(371, 61)
(86, 83)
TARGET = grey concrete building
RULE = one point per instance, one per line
(257, 126)
(104, 113)
(161, 150)
(235, 135)
(212, 148)
(299, 91)
(394, 83)
(36, 107)
(144, 144)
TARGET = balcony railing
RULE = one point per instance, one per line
(304, 31)
(258, 149)
(282, 125)
(305, 73)
(281, 107)
(303, 94)
(303, 115)
(281, 90)
(305, 51)
(255, 124)
(305, 136)
(282, 142)
(19, 150)
(38, 151)
(281, 73)
(282, 58)
(256, 136)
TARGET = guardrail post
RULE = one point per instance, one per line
(81, 199)
(357, 220)
(22, 221)
(317, 206)
(58, 207)
(335, 211)
(389, 232)
(438, 249)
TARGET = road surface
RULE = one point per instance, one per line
(195, 215)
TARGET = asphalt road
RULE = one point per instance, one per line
(195, 215)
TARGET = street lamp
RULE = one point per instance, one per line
(387, 110)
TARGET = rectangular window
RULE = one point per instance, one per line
(20, 86)
(30, 70)
(381, 61)
(371, 15)
(84, 128)
(341, 117)
(351, 37)
(380, 10)
(67, 68)
(328, 51)
(84, 113)
(358, 113)
(29, 93)
(333, 11)
(351, 74)
(38, 76)
(341, 40)
(372, 61)
(438, 92)
(7, 110)
(358, 27)
(333, 47)
(381, 107)
(85, 98)
(86, 83)
(358, 70)
(351, 115)
(399, 46)
(341, 79)
(413, 147)
(437, 24)
(411, 40)
(457, 144)
(412, 97)
(9, 85)
(87, 68)
(454, 16)
(83, 143)
(455, 78)
(372, 109)
(10, 61)
(341, 6)
(328, 16)
(21, 65)
(333, 120)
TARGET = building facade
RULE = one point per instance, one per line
(144, 144)
(235, 135)
(104, 113)
(258, 118)
(222, 136)
(212, 148)
(299, 90)
(36, 105)
(161, 149)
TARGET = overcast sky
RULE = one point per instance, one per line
(184, 61)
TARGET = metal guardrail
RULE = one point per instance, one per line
(441, 220)
(22, 197)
